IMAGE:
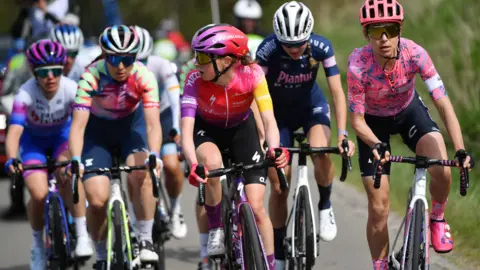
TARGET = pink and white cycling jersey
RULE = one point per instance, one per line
(373, 91)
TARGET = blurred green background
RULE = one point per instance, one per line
(448, 30)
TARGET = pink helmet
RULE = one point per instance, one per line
(220, 39)
(381, 11)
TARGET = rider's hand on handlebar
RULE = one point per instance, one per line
(158, 162)
(468, 160)
(375, 149)
(282, 160)
(193, 178)
(10, 165)
(351, 146)
(81, 168)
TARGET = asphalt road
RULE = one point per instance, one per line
(348, 251)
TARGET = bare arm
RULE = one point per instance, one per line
(339, 101)
(363, 130)
(188, 146)
(77, 132)
(258, 121)
(154, 130)
(445, 108)
(272, 135)
(13, 140)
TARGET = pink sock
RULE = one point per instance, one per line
(438, 210)
(271, 261)
(380, 264)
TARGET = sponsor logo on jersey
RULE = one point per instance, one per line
(283, 77)
(265, 51)
(192, 78)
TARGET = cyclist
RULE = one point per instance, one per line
(216, 115)
(107, 113)
(169, 89)
(71, 38)
(41, 120)
(247, 16)
(383, 102)
(291, 59)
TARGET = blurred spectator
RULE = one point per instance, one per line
(166, 34)
(247, 16)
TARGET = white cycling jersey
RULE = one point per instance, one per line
(85, 56)
(167, 80)
(34, 111)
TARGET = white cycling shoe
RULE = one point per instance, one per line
(83, 247)
(147, 252)
(216, 244)
(179, 227)
(327, 225)
(38, 258)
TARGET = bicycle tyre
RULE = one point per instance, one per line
(58, 236)
(229, 261)
(415, 237)
(119, 255)
(158, 241)
(252, 250)
(304, 229)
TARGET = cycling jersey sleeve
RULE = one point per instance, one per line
(20, 104)
(189, 99)
(265, 50)
(260, 90)
(87, 85)
(322, 50)
(356, 90)
(428, 72)
(173, 90)
(149, 85)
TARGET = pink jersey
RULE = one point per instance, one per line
(226, 106)
(371, 91)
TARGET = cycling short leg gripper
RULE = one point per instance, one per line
(278, 236)
(380, 264)
(214, 215)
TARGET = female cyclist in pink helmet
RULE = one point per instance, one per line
(383, 102)
(216, 115)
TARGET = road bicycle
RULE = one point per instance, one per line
(414, 254)
(122, 246)
(301, 247)
(243, 244)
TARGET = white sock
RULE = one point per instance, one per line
(101, 250)
(144, 230)
(203, 245)
(173, 203)
(81, 226)
(38, 239)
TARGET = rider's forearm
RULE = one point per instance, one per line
(339, 101)
(272, 135)
(13, 140)
(75, 140)
(188, 146)
(258, 121)
(154, 137)
(450, 119)
(363, 130)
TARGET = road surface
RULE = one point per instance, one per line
(348, 251)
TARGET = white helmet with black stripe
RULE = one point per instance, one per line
(119, 39)
(293, 22)
(70, 36)
(146, 43)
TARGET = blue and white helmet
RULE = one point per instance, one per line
(70, 36)
(146, 43)
(119, 39)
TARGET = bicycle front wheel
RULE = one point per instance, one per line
(416, 243)
(252, 249)
(304, 240)
(118, 227)
(158, 240)
(58, 236)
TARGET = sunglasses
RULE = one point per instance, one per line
(203, 58)
(294, 45)
(115, 60)
(43, 72)
(72, 54)
(376, 31)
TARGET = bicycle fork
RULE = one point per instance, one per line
(418, 194)
(66, 236)
(116, 195)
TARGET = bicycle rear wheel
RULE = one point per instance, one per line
(252, 250)
(58, 248)
(118, 261)
(416, 244)
(304, 243)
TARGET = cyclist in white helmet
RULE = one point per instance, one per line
(169, 92)
(247, 15)
(71, 38)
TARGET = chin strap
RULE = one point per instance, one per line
(219, 73)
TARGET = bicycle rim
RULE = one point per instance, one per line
(252, 250)
(59, 260)
(415, 260)
(118, 261)
(304, 244)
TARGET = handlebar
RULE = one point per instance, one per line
(238, 169)
(422, 162)
(346, 161)
(152, 164)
